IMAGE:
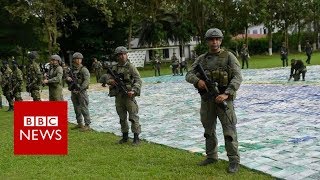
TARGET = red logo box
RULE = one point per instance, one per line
(40, 128)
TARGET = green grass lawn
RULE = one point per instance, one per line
(96, 155)
(255, 62)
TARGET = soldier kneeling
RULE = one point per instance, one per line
(297, 68)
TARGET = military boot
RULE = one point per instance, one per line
(124, 138)
(78, 126)
(85, 128)
(136, 140)
(233, 167)
(10, 109)
(207, 161)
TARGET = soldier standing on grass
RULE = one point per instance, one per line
(6, 83)
(54, 80)
(223, 68)
(0, 93)
(157, 65)
(97, 68)
(284, 55)
(34, 77)
(244, 53)
(308, 49)
(78, 81)
(17, 81)
(125, 98)
(174, 64)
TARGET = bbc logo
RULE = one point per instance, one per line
(40, 121)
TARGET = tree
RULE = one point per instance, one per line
(50, 12)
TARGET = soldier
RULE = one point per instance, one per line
(284, 54)
(34, 77)
(6, 83)
(244, 53)
(308, 49)
(97, 68)
(78, 81)
(183, 66)
(0, 92)
(194, 56)
(175, 64)
(125, 100)
(222, 67)
(157, 65)
(297, 68)
(17, 81)
(65, 69)
(54, 80)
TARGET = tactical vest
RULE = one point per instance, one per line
(221, 72)
(77, 73)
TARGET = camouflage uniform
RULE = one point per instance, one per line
(174, 64)
(308, 50)
(17, 82)
(0, 92)
(65, 69)
(55, 81)
(6, 84)
(79, 96)
(221, 67)
(284, 55)
(34, 78)
(244, 53)
(157, 66)
(97, 68)
(124, 104)
(297, 68)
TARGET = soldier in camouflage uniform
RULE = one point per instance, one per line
(308, 49)
(297, 69)
(284, 55)
(97, 68)
(6, 83)
(0, 92)
(175, 64)
(34, 77)
(54, 80)
(65, 72)
(125, 101)
(17, 81)
(157, 65)
(222, 67)
(78, 81)
(244, 54)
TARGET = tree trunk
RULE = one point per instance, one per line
(299, 36)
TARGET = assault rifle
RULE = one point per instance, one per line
(212, 91)
(73, 85)
(119, 80)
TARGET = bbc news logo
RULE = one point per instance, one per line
(36, 134)
(40, 128)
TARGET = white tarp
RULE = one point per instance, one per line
(137, 57)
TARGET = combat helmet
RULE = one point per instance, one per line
(121, 50)
(77, 55)
(33, 55)
(56, 57)
(214, 33)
